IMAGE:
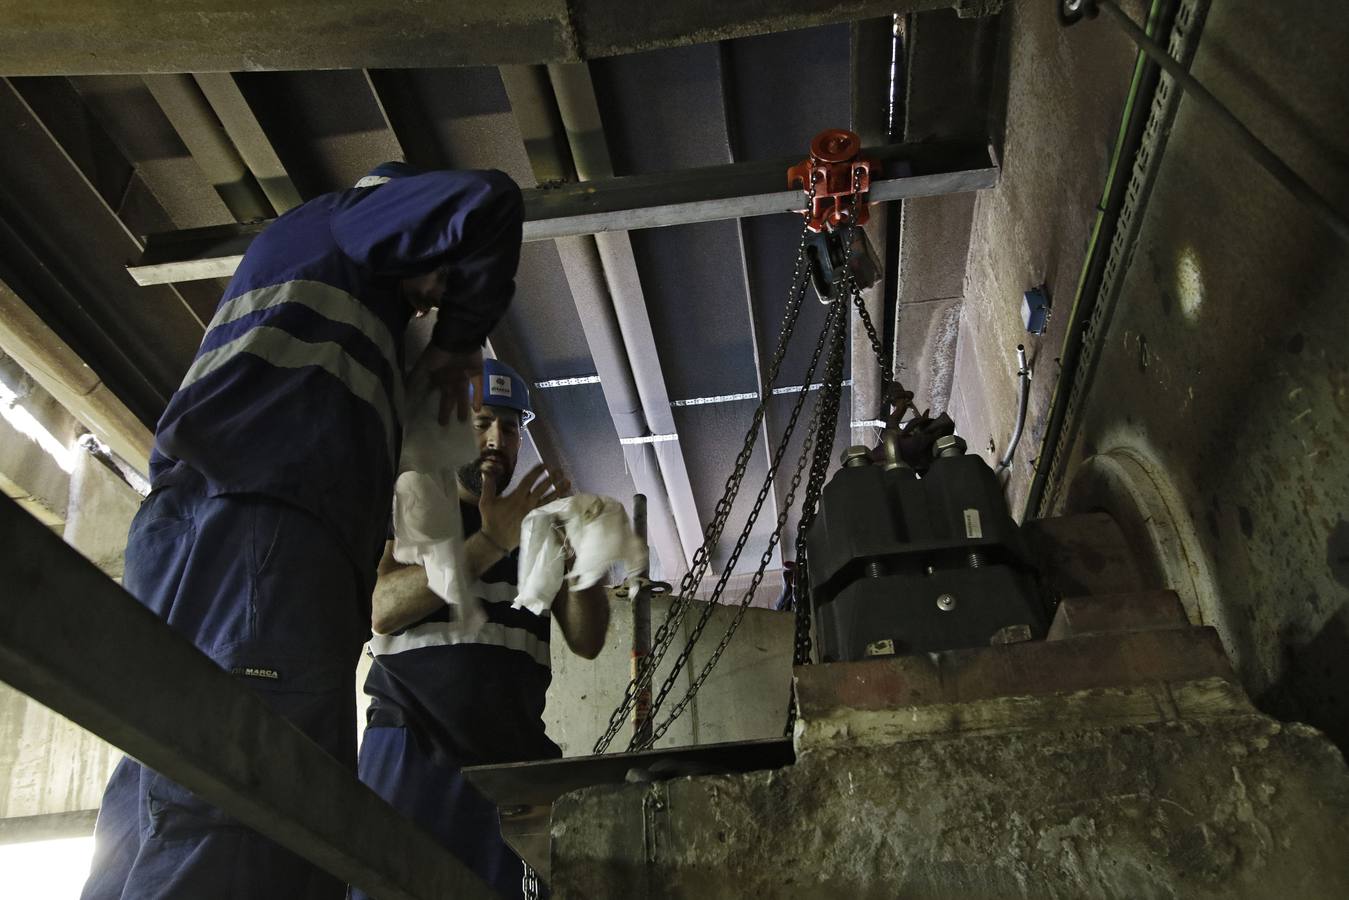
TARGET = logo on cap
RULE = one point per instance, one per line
(499, 385)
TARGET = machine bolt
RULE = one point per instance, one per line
(949, 445)
(856, 456)
(975, 559)
(894, 459)
(946, 602)
(875, 569)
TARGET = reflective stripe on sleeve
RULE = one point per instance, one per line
(286, 351)
(333, 304)
(324, 299)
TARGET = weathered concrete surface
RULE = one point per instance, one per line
(1125, 764)
(48, 764)
(28, 473)
(1112, 678)
(947, 86)
(744, 698)
(1064, 95)
(1231, 807)
(1224, 376)
(1085, 554)
(101, 508)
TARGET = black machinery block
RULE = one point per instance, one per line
(901, 563)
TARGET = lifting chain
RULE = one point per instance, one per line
(819, 470)
(817, 447)
(665, 634)
(834, 328)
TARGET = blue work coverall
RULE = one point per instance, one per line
(439, 702)
(272, 482)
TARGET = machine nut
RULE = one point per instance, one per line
(949, 445)
(856, 456)
(946, 602)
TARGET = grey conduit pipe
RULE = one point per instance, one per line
(633, 344)
(1023, 375)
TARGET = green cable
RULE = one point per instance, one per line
(1062, 386)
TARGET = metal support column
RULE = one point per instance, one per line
(641, 627)
(72, 639)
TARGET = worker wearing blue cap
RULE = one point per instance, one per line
(272, 478)
(441, 699)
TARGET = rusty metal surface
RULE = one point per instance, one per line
(1109, 613)
(1085, 554)
(1085, 663)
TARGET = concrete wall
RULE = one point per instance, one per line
(1065, 94)
(49, 765)
(28, 474)
(744, 698)
(1225, 378)
(1220, 403)
(99, 514)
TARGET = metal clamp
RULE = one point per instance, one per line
(836, 178)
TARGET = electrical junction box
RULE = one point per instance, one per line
(1035, 310)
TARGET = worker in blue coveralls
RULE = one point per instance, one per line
(272, 479)
(439, 702)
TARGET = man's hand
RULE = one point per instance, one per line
(450, 373)
(503, 515)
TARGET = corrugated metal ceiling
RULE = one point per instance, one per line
(96, 156)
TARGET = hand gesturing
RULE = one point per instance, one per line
(503, 514)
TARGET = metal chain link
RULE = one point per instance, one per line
(824, 453)
(833, 326)
(529, 882)
(665, 634)
(820, 466)
(855, 292)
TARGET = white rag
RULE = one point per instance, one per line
(427, 527)
(598, 531)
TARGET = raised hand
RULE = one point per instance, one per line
(502, 514)
(450, 373)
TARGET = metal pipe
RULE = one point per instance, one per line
(535, 105)
(1292, 182)
(580, 115)
(1023, 374)
(639, 596)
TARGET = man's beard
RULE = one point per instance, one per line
(470, 474)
